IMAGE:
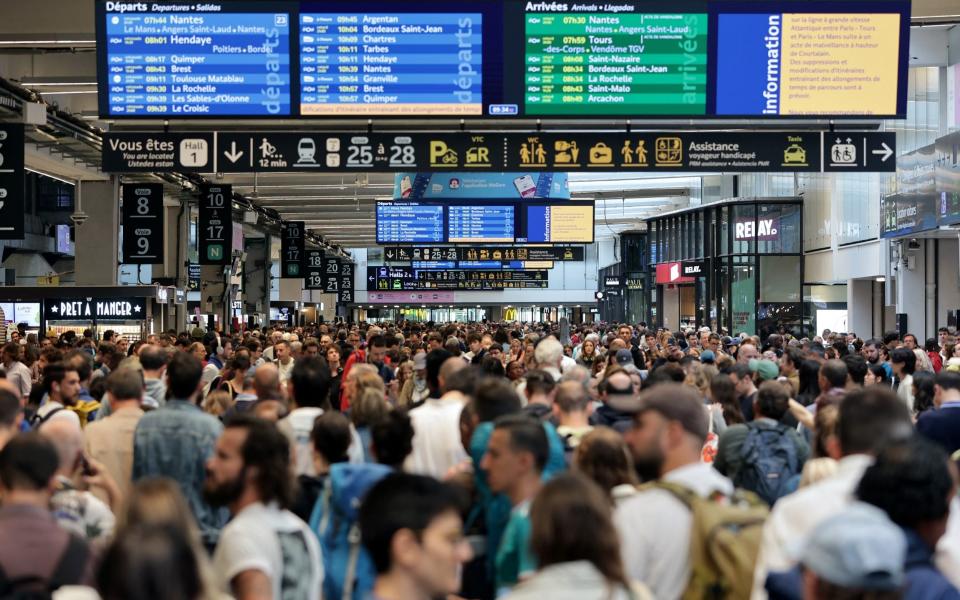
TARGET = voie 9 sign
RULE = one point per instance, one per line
(759, 229)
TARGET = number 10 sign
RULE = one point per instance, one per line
(215, 225)
(142, 223)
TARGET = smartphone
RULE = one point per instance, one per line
(525, 186)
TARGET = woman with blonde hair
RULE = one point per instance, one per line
(576, 546)
(367, 409)
(158, 502)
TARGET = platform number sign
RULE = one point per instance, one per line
(292, 250)
(346, 282)
(11, 182)
(313, 277)
(215, 227)
(331, 275)
(142, 223)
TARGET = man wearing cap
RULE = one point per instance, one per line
(666, 439)
(619, 401)
(857, 553)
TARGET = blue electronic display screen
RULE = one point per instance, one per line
(195, 60)
(409, 223)
(484, 223)
(395, 63)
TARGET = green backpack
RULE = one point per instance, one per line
(724, 541)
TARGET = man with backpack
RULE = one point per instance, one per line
(664, 527)
(764, 456)
(37, 555)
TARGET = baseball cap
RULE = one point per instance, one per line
(731, 341)
(858, 548)
(197, 333)
(419, 361)
(707, 356)
(766, 368)
(623, 357)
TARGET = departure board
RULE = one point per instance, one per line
(609, 63)
(409, 223)
(484, 223)
(197, 61)
(391, 63)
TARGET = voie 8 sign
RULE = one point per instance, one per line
(142, 223)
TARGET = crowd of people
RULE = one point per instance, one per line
(407, 461)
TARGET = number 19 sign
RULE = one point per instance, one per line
(142, 223)
(292, 250)
(215, 225)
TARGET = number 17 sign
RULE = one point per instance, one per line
(215, 225)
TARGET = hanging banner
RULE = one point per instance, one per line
(142, 223)
(12, 207)
(292, 250)
(215, 227)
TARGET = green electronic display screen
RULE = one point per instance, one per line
(605, 63)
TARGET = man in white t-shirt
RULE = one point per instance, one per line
(437, 446)
(265, 551)
(309, 391)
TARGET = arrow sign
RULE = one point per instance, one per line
(233, 155)
(886, 151)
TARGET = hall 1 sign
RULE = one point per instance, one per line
(215, 225)
(292, 250)
(313, 277)
(95, 309)
(142, 223)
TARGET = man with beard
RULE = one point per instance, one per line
(668, 433)
(265, 551)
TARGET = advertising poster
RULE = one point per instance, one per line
(422, 186)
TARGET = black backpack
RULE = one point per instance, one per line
(770, 467)
(69, 571)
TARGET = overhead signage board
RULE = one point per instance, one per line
(292, 250)
(193, 277)
(475, 253)
(644, 152)
(503, 59)
(696, 269)
(559, 222)
(148, 152)
(345, 295)
(95, 309)
(408, 279)
(142, 223)
(671, 273)
(12, 206)
(215, 225)
(210, 59)
(313, 276)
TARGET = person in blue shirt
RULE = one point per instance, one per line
(516, 456)
(943, 424)
(911, 482)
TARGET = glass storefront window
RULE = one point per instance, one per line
(743, 297)
(778, 229)
(745, 230)
(780, 278)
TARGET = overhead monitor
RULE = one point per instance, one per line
(409, 223)
(558, 223)
(503, 59)
(481, 223)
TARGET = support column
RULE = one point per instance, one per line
(98, 238)
(859, 307)
(256, 271)
(911, 289)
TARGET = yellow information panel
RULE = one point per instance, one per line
(839, 63)
(569, 224)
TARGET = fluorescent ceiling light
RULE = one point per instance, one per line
(67, 181)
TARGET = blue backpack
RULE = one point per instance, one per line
(348, 571)
(770, 465)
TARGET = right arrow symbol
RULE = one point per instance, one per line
(234, 155)
(887, 152)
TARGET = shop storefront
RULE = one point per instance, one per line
(734, 266)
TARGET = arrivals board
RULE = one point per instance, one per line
(212, 59)
(503, 59)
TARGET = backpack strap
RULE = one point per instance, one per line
(72, 563)
(351, 575)
(681, 493)
(38, 421)
(325, 503)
